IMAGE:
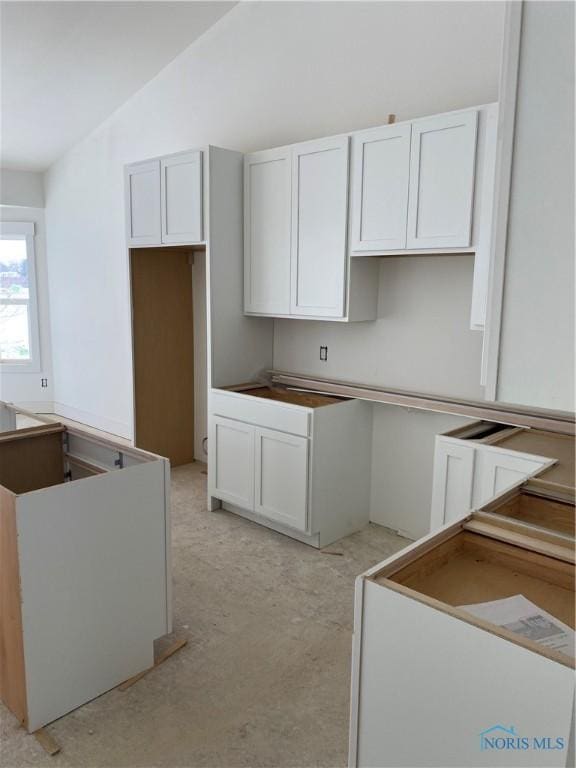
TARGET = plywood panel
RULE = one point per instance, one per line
(12, 676)
(31, 462)
(163, 337)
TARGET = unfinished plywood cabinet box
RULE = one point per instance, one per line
(420, 658)
(275, 457)
(85, 579)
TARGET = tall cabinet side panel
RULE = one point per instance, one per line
(239, 346)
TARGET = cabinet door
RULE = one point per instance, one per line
(319, 211)
(380, 172)
(282, 477)
(267, 202)
(453, 482)
(142, 189)
(499, 471)
(442, 164)
(231, 461)
(182, 198)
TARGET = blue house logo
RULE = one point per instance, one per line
(489, 737)
(501, 737)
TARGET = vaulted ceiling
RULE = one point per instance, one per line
(66, 66)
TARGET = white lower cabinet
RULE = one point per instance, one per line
(432, 684)
(281, 477)
(499, 470)
(232, 456)
(85, 575)
(453, 481)
(283, 464)
(468, 472)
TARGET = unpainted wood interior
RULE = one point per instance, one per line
(541, 443)
(163, 349)
(471, 568)
(29, 462)
(550, 514)
(12, 670)
(305, 399)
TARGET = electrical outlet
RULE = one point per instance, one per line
(43, 383)
(324, 354)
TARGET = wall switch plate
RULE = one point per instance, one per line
(324, 354)
(43, 383)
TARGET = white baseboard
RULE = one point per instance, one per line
(36, 406)
(117, 428)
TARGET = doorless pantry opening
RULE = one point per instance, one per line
(163, 350)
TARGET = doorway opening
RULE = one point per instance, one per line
(168, 340)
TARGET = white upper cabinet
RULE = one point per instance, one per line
(381, 170)
(267, 222)
(181, 194)
(442, 165)
(319, 221)
(142, 188)
(164, 200)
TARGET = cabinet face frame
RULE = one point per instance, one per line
(149, 174)
(298, 501)
(401, 135)
(339, 223)
(279, 269)
(191, 195)
(460, 235)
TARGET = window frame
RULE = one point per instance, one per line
(25, 230)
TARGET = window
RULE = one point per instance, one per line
(19, 345)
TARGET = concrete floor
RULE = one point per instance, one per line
(264, 679)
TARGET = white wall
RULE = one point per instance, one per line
(21, 188)
(402, 466)
(421, 340)
(265, 74)
(537, 342)
(25, 388)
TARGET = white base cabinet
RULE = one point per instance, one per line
(85, 576)
(432, 685)
(468, 472)
(284, 464)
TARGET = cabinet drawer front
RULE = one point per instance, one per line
(231, 458)
(262, 413)
(182, 198)
(380, 168)
(281, 491)
(319, 223)
(442, 164)
(267, 201)
(142, 189)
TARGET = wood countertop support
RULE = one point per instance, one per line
(561, 422)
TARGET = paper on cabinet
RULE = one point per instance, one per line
(519, 615)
